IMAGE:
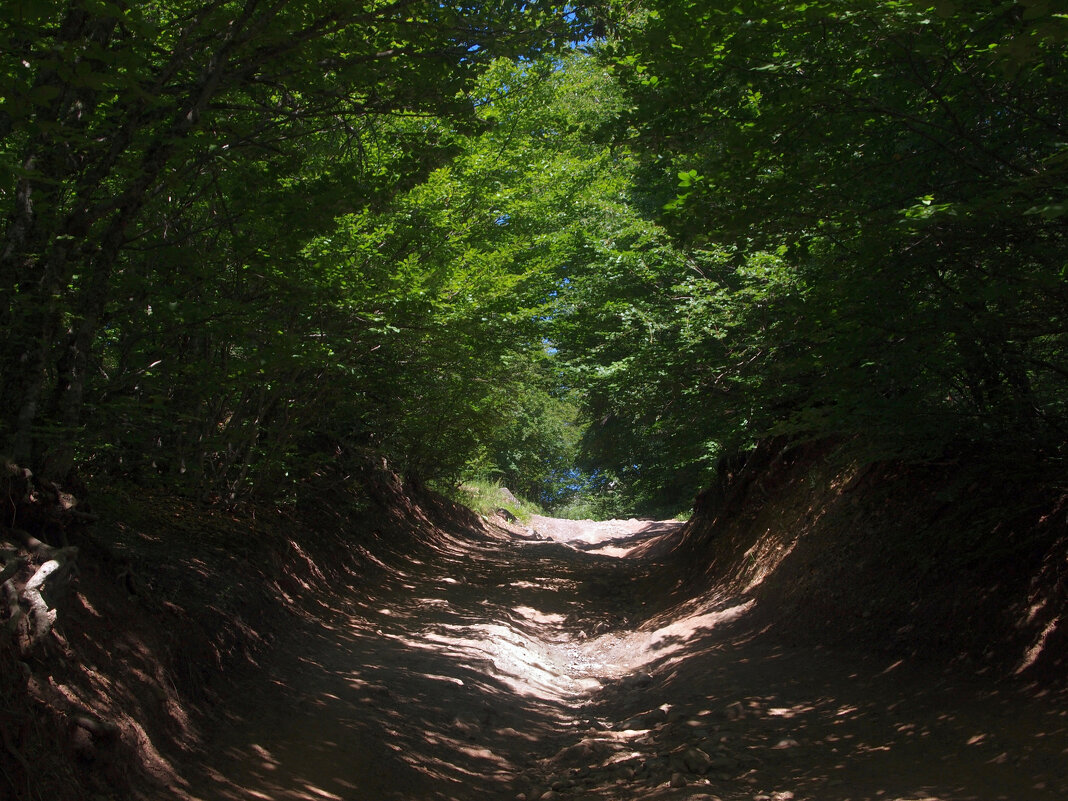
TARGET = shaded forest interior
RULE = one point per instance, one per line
(281, 284)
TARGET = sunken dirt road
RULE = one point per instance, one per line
(506, 667)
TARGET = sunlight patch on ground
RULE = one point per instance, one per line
(615, 551)
(676, 634)
(558, 664)
(535, 616)
(556, 668)
(762, 559)
(318, 792)
(527, 665)
(788, 712)
(1035, 651)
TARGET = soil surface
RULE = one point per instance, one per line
(564, 660)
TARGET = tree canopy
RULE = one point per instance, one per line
(582, 250)
(870, 200)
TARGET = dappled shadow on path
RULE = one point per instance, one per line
(501, 668)
(825, 724)
(457, 670)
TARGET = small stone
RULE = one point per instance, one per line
(82, 745)
(696, 760)
(656, 764)
(786, 742)
(580, 752)
(655, 716)
(641, 679)
(785, 795)
(549, 795)
(723, 763)
(625, 772)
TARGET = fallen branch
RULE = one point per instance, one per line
(56, 570)
(11, 601)
(29, 600)
(42, 617)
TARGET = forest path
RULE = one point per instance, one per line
(512, 668)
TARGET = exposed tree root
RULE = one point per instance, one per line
(32, 572)
(34, 578)
(30, 615)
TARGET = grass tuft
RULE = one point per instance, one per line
(486, 496)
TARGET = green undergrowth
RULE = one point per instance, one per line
(486, 496)
(584, 508)
(606, 506)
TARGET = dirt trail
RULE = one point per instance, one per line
(509, 667)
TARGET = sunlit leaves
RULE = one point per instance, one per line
(246, 172)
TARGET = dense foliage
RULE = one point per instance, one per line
(212, 269)
(870, 197)
(243, 240)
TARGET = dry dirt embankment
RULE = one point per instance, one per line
(945, 562)
(413, 652)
